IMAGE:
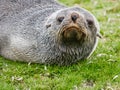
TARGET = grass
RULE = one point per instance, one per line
(100, 72)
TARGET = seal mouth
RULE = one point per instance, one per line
(73, 33)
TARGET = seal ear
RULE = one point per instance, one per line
(48, 25)
(99, 35)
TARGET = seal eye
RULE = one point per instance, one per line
(90, 22)
(60, 19)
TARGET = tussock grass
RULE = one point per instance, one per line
(100, 72)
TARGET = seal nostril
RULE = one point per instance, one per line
(74, 17)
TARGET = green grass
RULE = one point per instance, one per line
(100, 72)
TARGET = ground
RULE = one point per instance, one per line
(100, 72)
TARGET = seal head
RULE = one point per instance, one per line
(71, 25)
(75, 33)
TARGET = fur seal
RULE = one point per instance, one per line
(44, 31)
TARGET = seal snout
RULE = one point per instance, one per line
(72, 34)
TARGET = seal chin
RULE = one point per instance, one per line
(72, 34)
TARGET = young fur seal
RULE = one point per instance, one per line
(44, 31)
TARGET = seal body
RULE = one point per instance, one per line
(44, 31)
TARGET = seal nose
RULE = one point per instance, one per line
(74, 16)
